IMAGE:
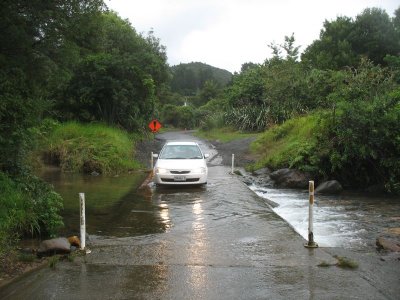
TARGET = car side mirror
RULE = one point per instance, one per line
(206, 155)
(155, 155)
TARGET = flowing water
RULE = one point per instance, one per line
(350, 221)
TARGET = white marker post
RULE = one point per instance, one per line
(311, 243)
(83, 220)
(152, 161)
(233, 162)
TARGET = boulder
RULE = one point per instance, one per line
(263, 171)
(290, 178)
(332, 187)
(386, 244)
(54, 246)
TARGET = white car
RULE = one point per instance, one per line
(180, 163)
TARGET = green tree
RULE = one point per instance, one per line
(344, 42)
(374, 36)
(209, 91)
(119, 82)
(36, 54)
(333, 50)
(247, 88)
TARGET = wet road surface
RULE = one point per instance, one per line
(215, 242)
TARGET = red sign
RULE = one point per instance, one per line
(155, 125)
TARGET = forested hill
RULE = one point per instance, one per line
(189, 78)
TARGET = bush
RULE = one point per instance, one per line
(28, 206)
(364, 135)
(178, 116)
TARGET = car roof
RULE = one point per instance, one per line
(181, 143)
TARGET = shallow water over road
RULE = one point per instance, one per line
(114, 206)
(350, 221)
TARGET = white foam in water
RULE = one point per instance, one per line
(333, 226)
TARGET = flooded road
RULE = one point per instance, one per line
(220, 241)
(114, 207)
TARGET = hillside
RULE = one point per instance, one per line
(188, 78)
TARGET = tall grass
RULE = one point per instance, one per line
(249, 118)
(86, 148)
(28, 206)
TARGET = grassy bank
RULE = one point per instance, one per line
(225, 134)
(90, 148)
(28, 207)
(292, 144)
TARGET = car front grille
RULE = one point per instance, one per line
(180, 172)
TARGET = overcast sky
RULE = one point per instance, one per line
(228, 33)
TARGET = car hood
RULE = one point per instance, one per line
(180, 164)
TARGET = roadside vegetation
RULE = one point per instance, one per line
(28, 207)
(81, 65)
(87, 148)
(332, 111)
(293, 144)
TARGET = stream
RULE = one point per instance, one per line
(351, 221)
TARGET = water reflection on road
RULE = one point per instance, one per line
(114, 205)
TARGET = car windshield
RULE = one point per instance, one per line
(181, 152)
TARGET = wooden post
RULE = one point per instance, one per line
(233, 163)
(311, 243)
(83, 220)
(152, 161)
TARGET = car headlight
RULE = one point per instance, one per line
(161, 171)
(199, 171)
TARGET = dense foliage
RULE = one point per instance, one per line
(344, 42)
(68, 60)
(75, 60)
(350, 77)
(118, 81)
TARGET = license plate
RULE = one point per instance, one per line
(179, 178)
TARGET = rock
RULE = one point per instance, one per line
(54, 246)
(263, 171)
(265, 182)
(247, 180)
(332, 187)
(94, 173)
(290, 178)
(386, 244)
